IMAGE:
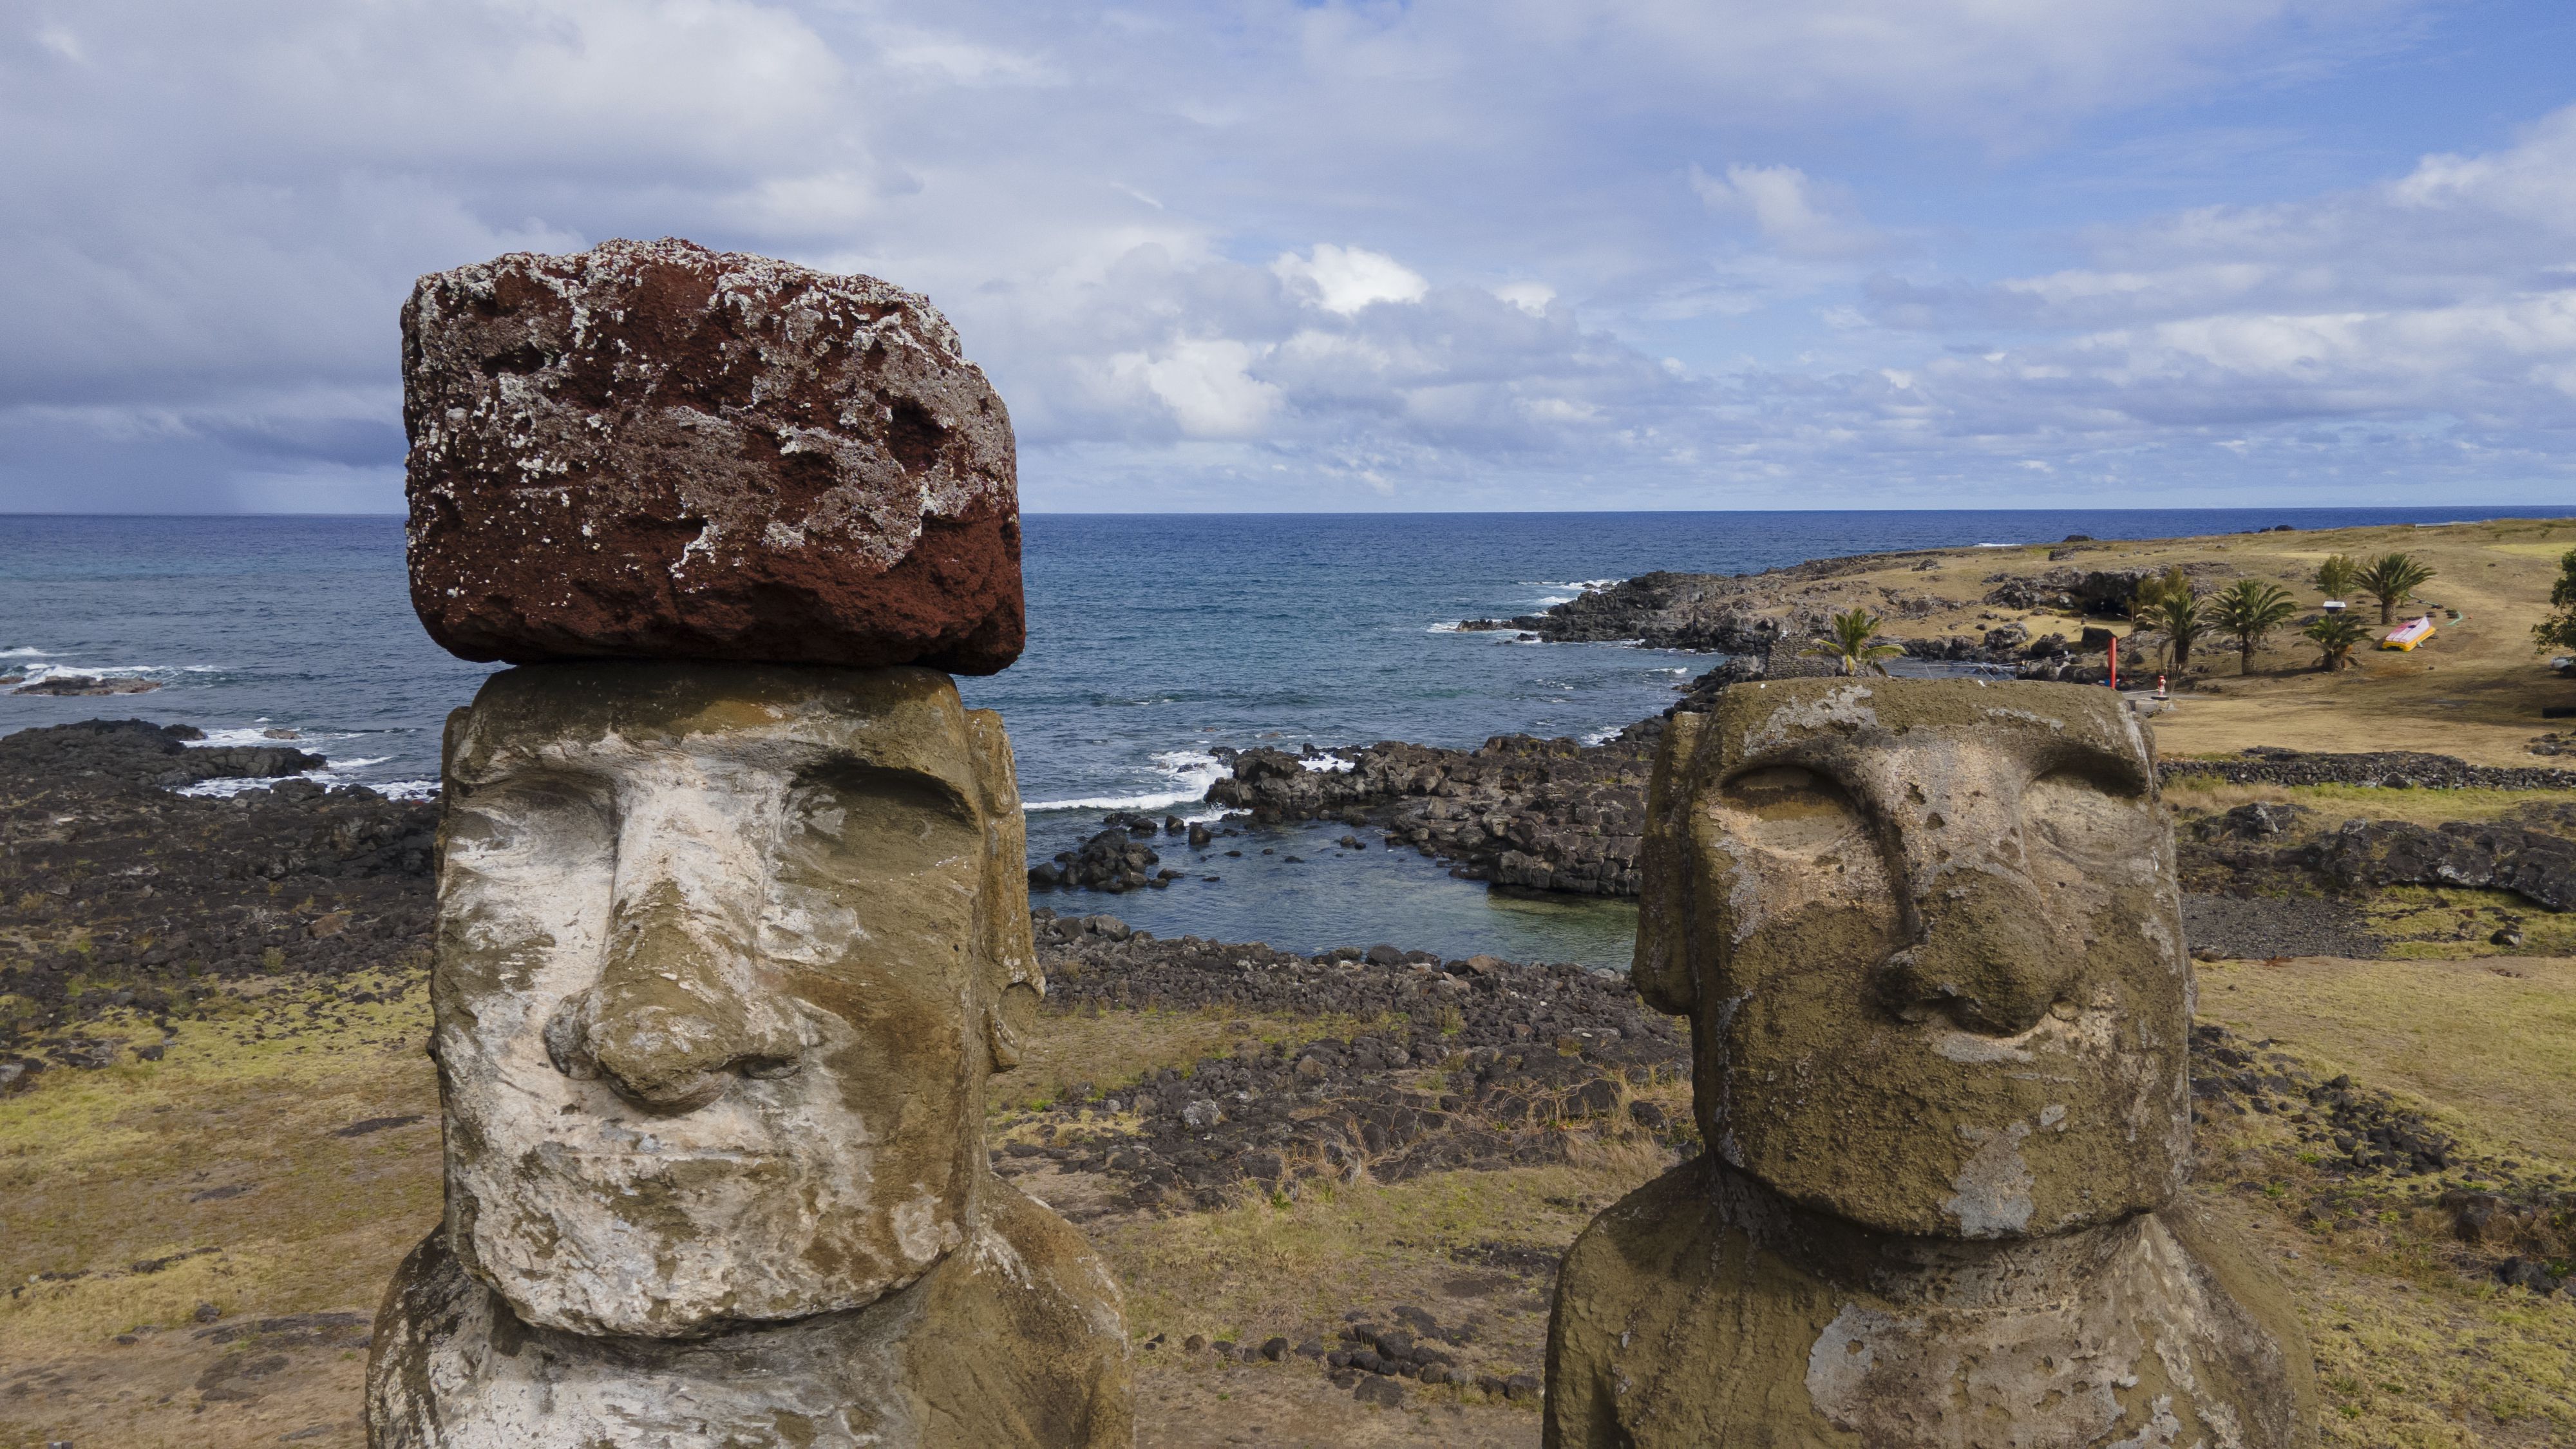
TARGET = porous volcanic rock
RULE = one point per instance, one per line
(653, 450)
(1521, 811)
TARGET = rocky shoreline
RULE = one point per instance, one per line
(1516, 811)
(1761, 619)
(1563, 816)
(133, 897)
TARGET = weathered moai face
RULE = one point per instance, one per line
(1929, 937)
(725, 954)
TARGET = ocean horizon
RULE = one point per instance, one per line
(1154, 639)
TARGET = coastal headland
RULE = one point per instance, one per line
(1336, 1184)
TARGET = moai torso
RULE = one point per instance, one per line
(1930, 942)
(726, 951)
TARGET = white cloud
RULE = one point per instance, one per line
(1345, 279)
(216, 211)
(1795, 213)
(2444, 294)
(1207, 384)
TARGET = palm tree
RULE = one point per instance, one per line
(2558, 631)
(2390, 578)
(2337, 575)
(1849, 642)
(2250, 609)
(2335, 634)
(2175, 613)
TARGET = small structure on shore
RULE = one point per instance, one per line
(2409, 634)
(1929, 938)
(733, 923)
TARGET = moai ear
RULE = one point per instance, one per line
(1003, 937)
(1007, 1024)
(1662, 971)
(449, 742)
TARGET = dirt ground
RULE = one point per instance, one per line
(194, 1245)
(2474, 691)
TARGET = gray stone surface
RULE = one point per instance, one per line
(1929, 937)
(724, 957)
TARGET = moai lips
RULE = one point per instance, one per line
(652, 450)
(1929, 938)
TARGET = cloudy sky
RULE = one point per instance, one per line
(1246, 255)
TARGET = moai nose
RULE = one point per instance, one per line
(1984, 953)
(674, 1019)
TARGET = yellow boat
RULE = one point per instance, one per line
(2410, 634)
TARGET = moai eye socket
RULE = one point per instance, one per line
(1790, 810)
(2082, 814)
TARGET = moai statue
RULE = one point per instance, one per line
(1929, 939)
(733, 917)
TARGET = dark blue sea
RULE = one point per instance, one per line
(1152, 639)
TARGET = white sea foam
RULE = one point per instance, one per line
(328, 777)
(36, 672)
(257, 735)
(1328, 764)
(1552, 600)
(1601, 737)
(1191, 772)
(30, 652)
(1449, 628)
(332, 774)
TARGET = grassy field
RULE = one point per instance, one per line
(2474, 691)
(279, 1161)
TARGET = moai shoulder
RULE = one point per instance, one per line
(1930, 941)
(726, 951)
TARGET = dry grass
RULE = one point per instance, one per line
(2474, 692)
(2411, 1350)
(2496, 1051)
(98, 1171)
(2335, 804)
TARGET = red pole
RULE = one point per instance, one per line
(2115, 661)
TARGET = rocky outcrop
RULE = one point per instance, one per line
(1519, 811)
(1110, 861)
(2394, 770)
(1523, 1053)
(129, 898)
(133, 753)
(85, 685)
(653, 450)
(2539, 867)
(2104, 592)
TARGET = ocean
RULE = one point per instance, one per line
(1153, 639)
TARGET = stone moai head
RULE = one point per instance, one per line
(1929, 938)
(725, 954)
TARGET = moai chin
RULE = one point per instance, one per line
(1930, 942)
(726, 951)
